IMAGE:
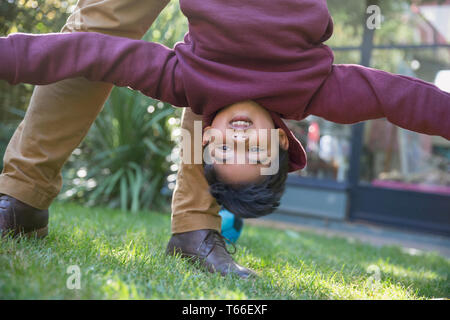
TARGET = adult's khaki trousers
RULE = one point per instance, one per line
(60, 114)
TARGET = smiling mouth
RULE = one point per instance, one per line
(240, 123)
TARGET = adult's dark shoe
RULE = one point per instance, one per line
(18, 218)
(207, 247)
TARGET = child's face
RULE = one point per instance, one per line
(237, 146)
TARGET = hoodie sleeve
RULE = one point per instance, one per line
(353, 93)
(43, 59)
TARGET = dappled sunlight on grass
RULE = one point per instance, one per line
(333, 268)
(122, 256)
(117, 289)
(390, 270)
(231, 294)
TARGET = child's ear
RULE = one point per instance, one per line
(284, 140)
(206, 136)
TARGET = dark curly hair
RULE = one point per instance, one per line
(252, 200)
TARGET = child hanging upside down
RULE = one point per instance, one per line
(243, 66)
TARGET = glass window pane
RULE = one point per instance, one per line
(397, 158)
(347, 57)
(348, 17)
(424, 64)
(403, 23)
(327, 145)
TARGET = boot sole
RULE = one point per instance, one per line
(192, 258)
(38, 233)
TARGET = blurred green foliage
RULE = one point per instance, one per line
(125, 159)
(126, 155)
(35, 16)
(29, 16)
(398, 27)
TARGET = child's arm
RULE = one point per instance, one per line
(354, 93)
(43, 59)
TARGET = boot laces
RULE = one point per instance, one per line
(219, 240)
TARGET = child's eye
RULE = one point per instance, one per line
(223, 147)
(223, 152)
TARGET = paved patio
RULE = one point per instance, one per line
(412, 242)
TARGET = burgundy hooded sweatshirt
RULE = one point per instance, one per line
(271, 52)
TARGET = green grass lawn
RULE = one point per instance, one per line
(121, 256)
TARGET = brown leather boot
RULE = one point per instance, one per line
(209, 248)
(18, 218)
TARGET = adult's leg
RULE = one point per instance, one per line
(193, 207)
(59, 115)
(196, 222)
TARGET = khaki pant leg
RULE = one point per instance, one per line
(193, 207)
(59, 115)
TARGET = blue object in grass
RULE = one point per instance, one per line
(231, 225)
